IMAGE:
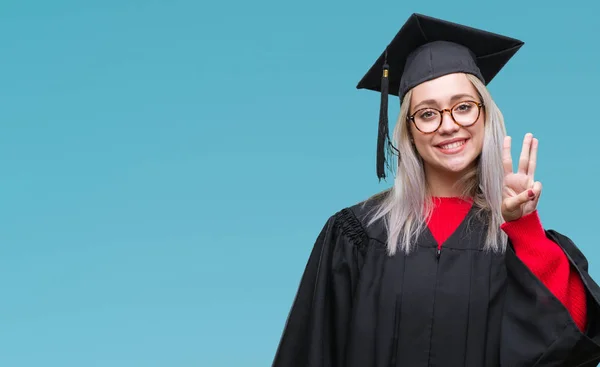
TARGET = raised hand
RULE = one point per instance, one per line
(521, 193)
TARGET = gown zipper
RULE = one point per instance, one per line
(438, 253)
(396, 331)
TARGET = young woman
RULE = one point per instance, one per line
(451, 266)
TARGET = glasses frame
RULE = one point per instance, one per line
(441, 112)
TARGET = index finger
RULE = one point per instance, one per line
(506, 157)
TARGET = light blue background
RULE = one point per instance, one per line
(166, 165)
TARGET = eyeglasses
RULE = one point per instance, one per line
(428, 120)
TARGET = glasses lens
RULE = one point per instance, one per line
(465, 113)
(427, 120)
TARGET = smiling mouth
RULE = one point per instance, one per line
(453, 145)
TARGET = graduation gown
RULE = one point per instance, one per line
(458, 306)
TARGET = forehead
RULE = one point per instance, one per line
(442, 89)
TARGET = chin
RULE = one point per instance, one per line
(456, 164)
(457, 168)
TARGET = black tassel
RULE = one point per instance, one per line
(383, 133)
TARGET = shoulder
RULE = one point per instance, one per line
(355, 224)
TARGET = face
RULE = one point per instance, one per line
(452, 148)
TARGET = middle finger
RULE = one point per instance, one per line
(532, 159)
(524, 158)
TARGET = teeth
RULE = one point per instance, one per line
(453, 145)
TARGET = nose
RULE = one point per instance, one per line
(448, 125)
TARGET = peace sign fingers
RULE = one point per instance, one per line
(528, 158)
(521, 192)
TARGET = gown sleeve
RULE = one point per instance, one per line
(316, 328)
(547, 261)
(537, 329)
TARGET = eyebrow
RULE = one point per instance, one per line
(434, 102)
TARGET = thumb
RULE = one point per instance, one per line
(515, 202)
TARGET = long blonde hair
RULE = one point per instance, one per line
(407, 204)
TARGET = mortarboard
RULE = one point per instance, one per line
(426, 48)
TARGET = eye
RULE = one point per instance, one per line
(464, 107)
(427, 114)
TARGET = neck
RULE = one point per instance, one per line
(443, 184)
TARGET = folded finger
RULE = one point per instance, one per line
(537, 191)
(513, 203)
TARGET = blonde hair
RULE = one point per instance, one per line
(407, 204)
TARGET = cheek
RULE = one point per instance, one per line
(420, 140)
(421, 143)
(477, 134)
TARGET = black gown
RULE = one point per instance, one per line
(358, 307)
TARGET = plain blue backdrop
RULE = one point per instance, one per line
(165, 166)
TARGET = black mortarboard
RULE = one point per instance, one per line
(426, 48)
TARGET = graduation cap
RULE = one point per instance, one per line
(426, 48)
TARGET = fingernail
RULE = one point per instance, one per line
(530, 194)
